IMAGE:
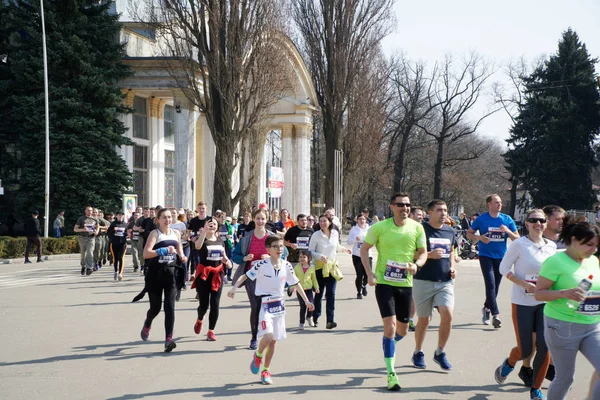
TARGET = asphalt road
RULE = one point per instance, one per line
(66, 336)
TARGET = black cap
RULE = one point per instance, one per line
(35, 212)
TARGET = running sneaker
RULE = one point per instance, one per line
(311, 323)
(359, 296)
(169, 345)
(135, 269)
(253, 344)
(40, 261)
(27, 262)
(104, 261)
(485, 316)
(442, 361)
(496, 322)
(210, 336)
(116, 275)
(89, 271)
(255, 364)
(265, 378)
(411, 325)
(526, 375)
(364, 290)
(418, 360)
(120, 277)
(198, 327)
(145, 333)
(536, 394)
(82, 270)
(331, 325)
(301, 327)
(503, 371)
(393, 383)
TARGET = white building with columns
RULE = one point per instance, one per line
(173, 146)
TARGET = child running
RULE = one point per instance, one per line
(308, 280)
(271, 276)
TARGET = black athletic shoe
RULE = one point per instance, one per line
(82, 270)
(27, 262)
(550, 373)
(359, 296)
(40, 260)
(526, 375)
(364, 290)
(496, 322)
(169, 345)
(330, 325)
(89, 271)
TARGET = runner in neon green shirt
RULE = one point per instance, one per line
(568, 328)
(398, 240)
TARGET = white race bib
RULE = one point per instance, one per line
(495, 234)
(591, 304)
(532, 278)
(302, 243)
(441, 243)
(119, 231)
(273, 305)
(395, 271)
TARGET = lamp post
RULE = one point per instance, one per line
(47, 184)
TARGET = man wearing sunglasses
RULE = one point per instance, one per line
(398, 241)
(494, 230)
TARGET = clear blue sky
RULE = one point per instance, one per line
(500, 31)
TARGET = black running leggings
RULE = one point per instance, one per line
(255, 303)
(208, 297)
(361, 275)
(304, 313)
(161, 279)
(118, 254)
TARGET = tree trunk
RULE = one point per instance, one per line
(332, 133)
(399, 164)
(437, 177)
(513, 197)
(223, 170)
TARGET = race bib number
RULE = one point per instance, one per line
(273, 305)
(530, 279)
(395, 271)
(90, 227)
(167, 259)
(135, 235)
(215, 253)
(223, 236)
(302, 243)
(441, 243)
(591, 304)
(495, 235)
(119, 231)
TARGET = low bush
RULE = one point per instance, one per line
(14, 247)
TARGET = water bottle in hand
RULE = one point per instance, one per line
(585, 285)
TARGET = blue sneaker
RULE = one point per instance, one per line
(536, 394)
(255, 364)
(418, 360)
(442, 361)
(253, 344)
(503, 371)
(265, 378)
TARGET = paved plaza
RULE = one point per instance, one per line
(66, 336)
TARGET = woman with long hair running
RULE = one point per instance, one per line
(161, 251)
(323, 246)
(521, 265)
(209, 276)
(356, 238)
(250, 250)
(572, 313)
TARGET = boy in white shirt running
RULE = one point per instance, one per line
(271, 276)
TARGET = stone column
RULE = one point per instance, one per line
(127, 151)
(156, 162)
(288, 154)
(302, 169)
(185, 151)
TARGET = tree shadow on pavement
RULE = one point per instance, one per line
(355, 381)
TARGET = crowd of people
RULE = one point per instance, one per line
(555, 316)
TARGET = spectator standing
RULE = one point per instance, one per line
(32, 231)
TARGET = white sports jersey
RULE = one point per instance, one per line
(269, 281)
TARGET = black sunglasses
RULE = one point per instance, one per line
(534, 220)
(402, 205)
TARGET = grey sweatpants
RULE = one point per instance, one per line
(565, 340)
(86, 248)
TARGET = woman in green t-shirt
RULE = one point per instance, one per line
(570, 327)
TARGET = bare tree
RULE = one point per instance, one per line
(408, 105)
(337, 37)
(228, 57)
(456, 91)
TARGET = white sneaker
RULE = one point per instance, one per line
(310, 322)
(301, 327)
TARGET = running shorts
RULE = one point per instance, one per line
(394, 300)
